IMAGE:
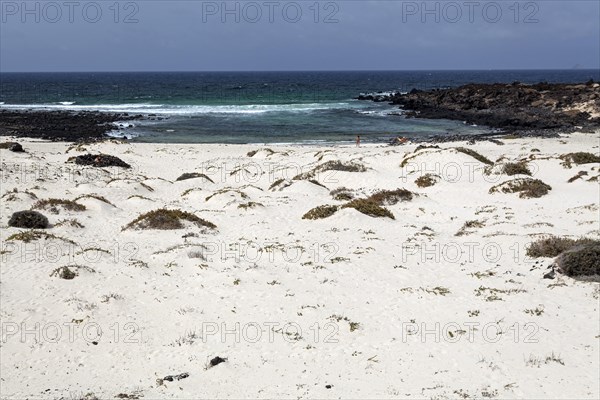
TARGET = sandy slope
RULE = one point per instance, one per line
(373, 307)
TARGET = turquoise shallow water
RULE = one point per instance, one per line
(256, 107)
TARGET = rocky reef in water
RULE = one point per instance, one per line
(509, 107)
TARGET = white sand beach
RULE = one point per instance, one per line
(439, 302)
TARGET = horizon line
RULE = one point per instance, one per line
(306, 70)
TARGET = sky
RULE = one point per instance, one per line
(263, 35)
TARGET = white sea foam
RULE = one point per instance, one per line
(162, 109)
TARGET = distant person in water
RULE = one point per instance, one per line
(357, 140)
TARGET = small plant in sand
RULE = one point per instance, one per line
(579, 175)
(352, 325)
(316, 182)
(94, 196)
(519, 168)
(193, 175)
(475, 155)
(369, 207)
(28, 219)
(391, 197)
(492, 294)
(342, 194)
(552, 246)
(331, 166)
(427, 180)
(254, 152)
(250, 205)
(73, 223)
(228, 190)
(538, 311)
(70, 271)
(534, 361)
(469, 225)
(29, 236)
(526, 187)
(276, 183)
(53, 204)
(320, 212)
(579, 158)
(167, 219)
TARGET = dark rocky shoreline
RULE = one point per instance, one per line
(60, 125)
(523, 110)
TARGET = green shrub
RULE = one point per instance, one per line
(331, 166)
(167, 219)
(391, 197)
(52, 204)
(519, 168)
(342, 194)
(427, 180)
(475, 155)
(553, 246)
(193, 175)
(321, 212)
(369, 207)
(526, 187)
(580, 158)
(581, 260)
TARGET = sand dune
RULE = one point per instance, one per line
(439, 302)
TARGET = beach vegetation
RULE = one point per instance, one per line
(526, 187)
(369, 207)
(165, 219)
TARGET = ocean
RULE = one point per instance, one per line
(256, 107)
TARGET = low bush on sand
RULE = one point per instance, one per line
(342, 194)
(165, 219)
(369, 207)
(526, 187)
(250, 205)
(321, 212)
(28, 219)
(475, 155)
(552, 246)
(53, 204)
(335, 165)
(580, 158)
(582, 260)
(29, 236)
(427, 180)
(519, 168)
(193, 175)
(391, 197)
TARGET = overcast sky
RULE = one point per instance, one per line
(297, 35)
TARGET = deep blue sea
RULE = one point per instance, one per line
(256, 107)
